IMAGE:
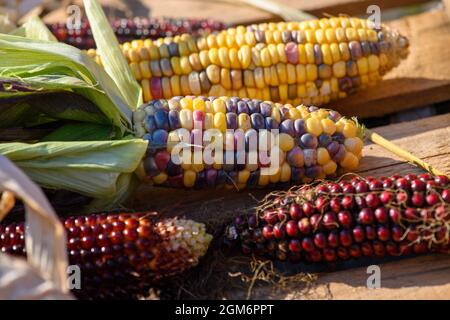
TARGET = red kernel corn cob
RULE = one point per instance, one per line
(122, 255)
(134, 29)
(350, 219)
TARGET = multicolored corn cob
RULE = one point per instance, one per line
(310, 62)
(122, 255)
(137, 28)
(350, 219)
(300, 143)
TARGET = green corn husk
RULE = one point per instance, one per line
(51, 85)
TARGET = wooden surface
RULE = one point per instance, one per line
(425, 277)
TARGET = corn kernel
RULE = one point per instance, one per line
(328, 126)
(330, 167)
(323, 157)
(350, 161)
(349, 130)
(314, 126)
(353, 145)
(199, 104)
(160, 178)
(285, 172)
(189, 178)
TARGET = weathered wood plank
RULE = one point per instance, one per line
(422, 79)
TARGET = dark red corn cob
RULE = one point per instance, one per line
(354, 218)
(128, 30)
(122, 255)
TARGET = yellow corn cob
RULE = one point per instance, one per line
(309, 62)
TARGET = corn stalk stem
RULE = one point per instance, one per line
(379, 140)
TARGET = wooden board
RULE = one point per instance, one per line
(421, 277)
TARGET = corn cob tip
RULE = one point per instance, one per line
(187, 234)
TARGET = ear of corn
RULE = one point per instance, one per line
(351, 219)
(122, 255)
(310, 62)
(135, 29)
(254, 143)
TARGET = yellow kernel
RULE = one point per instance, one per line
(351, 34)
(339, 69)
(330, 167)
(285, 172)
(314, 126)
(281, 52)
(263, 180)
(294, 114)
(323, 157)
(281, 72)
(134, 55)
(225, 78)
(145, 84)
(219, 106)
(328, 126)
(286, 142)
(349, 130)
(213, 54)
(204, 58)
(309, 49)
(374, 63)
(344, 51)
(213, 73)
(243, 176)
(265, 57)
(175, 85)
(199, 104)
(350, 161)
(335, 52)
(234, 59)
(353, 145)
(311, 72)
(186, 103)
(362, 35)
(250, 38)
(244, 122)
(363, 66)
(160, 178)
(185, 65)
(290, 72)
(220, 122)
(330, 35)
(176, 66)
(259, 77)
(300, 71)
(189, 178)
(224, 57)
(372, 35)
(135, 70)
(245, 56)
(326, 54)
(340, 35)
(273, 53)
(275, 177)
